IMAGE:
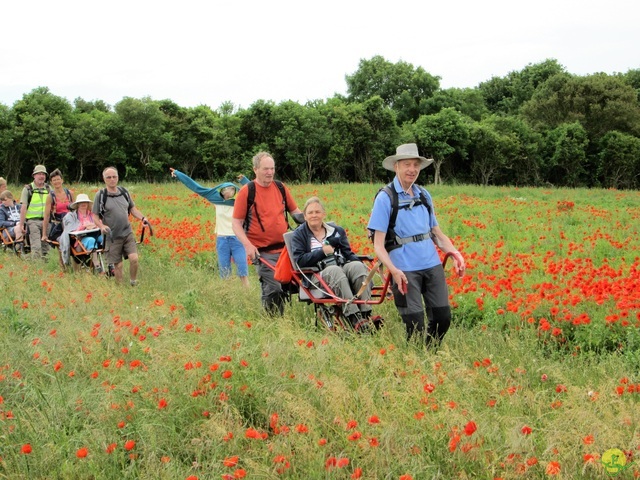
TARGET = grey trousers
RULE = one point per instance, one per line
(345, 281)
(38, 247)
(273, 296)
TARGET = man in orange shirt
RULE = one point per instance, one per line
(260, 224)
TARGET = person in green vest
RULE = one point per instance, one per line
(34, 200)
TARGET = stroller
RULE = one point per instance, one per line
(312, 289)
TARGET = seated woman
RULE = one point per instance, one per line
(10, 217)
(316, 243)
(80, 218)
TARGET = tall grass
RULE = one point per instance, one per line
(188, 367)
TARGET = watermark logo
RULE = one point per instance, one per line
(614, 461)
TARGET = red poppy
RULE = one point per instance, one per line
(470, 428)
(26, 449)
(230, 461)
(82, 452)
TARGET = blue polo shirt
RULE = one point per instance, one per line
(412, 256)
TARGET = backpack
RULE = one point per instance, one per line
(251, 199)
(122, 192)
(391, 241)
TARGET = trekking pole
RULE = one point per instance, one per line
(366, 281)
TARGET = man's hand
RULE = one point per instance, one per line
(459, 263)
(400, 279)
(253, 254)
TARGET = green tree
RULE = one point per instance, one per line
(362, 135)
(443, 135)
(9, 160)
(599, 102)
(619, 160)
(524, 168)
(632, 77)
(223, 150)
(468, 101)
(90, 142)
(491, 151)
(400, 86)
(259, 126)
(508, 94)
(302, 139)
(84, 106)
(143, 131)
(567, 155)
(42, 125)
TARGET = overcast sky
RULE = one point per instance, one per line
(210, 51)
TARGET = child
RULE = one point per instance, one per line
(227, 244)
(10, 217)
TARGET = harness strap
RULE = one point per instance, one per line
(273, 246)
(414, 238)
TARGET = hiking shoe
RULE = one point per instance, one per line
(133, 283)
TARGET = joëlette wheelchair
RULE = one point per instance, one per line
(312, 289)
(92, 260)
(10, 244)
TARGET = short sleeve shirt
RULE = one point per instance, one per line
(116, 213)
(412, 256)
(268, 223)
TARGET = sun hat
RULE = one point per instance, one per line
(405, 152)
(81, 198)
(39, 169)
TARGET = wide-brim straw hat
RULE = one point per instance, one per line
(81, 198)
(39, 169)
(405, 152)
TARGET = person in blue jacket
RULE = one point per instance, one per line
(227, 244)
(317, 243)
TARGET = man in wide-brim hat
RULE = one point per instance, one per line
(408, 248)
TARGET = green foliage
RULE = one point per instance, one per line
(400, 85)
(345, 138)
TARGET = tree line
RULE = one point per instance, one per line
(537, 126)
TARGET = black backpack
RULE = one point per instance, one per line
(103, 199)
(251, 200)
(391, 240)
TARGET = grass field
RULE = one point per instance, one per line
(184, 377)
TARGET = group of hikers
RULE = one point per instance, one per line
(49, 214)
(251, 219)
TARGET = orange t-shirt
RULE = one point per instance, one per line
(267, 220)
